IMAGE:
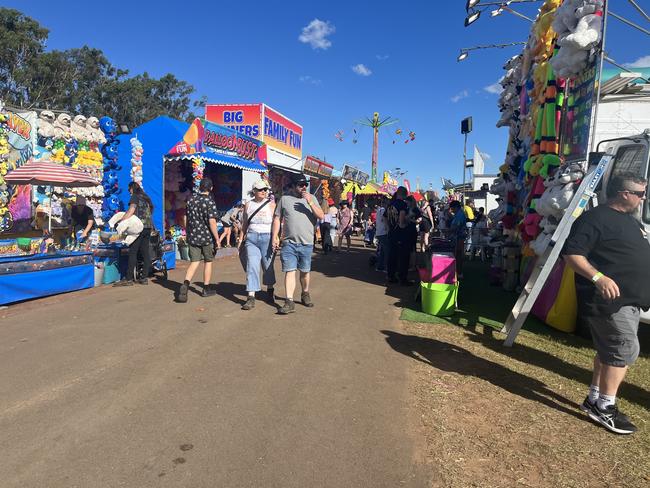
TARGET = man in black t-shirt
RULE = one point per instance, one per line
(83, 218)
(202, 237)
(609, 250)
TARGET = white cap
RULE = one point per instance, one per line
(260, 185)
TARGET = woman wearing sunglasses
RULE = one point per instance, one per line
(256, 222)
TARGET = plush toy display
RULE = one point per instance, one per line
(110, 157)
(136, 160)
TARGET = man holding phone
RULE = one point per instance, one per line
(298, 212)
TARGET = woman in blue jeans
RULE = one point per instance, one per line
(256, 221)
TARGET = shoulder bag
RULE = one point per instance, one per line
(243, 258)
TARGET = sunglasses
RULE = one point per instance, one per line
(639, 193)
(301, 185)
(261, 189)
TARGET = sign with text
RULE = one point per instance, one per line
(204, 136)
(354, 174)
(317, 168)
(281, 133)
(245, 118)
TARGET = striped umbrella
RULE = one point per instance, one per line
(47, 173)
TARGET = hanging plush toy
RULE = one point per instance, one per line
(136, 160)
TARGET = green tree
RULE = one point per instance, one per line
(22, 39)
(82, 80)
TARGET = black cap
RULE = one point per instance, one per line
(298, 178)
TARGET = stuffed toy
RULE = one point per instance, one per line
(78, 128)
(62, 127)
(136, 160)
(45, 123)
(128, 229)
(95, 133)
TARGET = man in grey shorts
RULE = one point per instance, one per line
(609, 250)
(202, 237)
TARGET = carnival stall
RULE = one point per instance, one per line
(34, 267)
(547, 101)
(206, 150)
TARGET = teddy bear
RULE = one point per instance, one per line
(95, 133)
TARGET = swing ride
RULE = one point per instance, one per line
(375, 123)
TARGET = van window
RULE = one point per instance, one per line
(630, 159)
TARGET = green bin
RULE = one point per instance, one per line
(439, 298)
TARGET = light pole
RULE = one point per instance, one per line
(474, 8)
(464, 51)
(465, 128)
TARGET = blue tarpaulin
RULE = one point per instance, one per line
(157, 136)
(40, 275)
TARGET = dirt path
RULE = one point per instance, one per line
(122, 387)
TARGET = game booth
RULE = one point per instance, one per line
(232, 160)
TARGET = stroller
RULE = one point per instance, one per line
(158, 263)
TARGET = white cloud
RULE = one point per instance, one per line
(382, 57)
(642, 62)
(361, 70)
(315, 34)
(309, 80)
(459, 96)
(494, 88)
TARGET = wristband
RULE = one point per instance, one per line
(596, 277)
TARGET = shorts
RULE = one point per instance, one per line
(615, 336)
(226, 224)
(201, 253)
(296, 256)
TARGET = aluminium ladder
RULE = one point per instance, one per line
(545, 263)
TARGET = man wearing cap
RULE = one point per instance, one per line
(202, 237)
(83, 218)
(298, 212)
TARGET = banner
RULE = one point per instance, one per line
(205, 137)
(282, 134)
(245, 118)
(353, 174)
(317, 168)
(16, 211)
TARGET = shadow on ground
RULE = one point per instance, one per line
(455, 359)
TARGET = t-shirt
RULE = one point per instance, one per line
(200, 209)
(459, 225)
(469, 213)
(392, 214)
(81, 218)
(142, 210)
(365, 213)
(382, 223)
(616, 245)
(299, 220)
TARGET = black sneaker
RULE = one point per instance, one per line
(182, 292)
(250, 303)
(124, 283)
(287, 308)
(306, 299)
(208, 291)
(612, 419)
(270, 296)
(587, 406)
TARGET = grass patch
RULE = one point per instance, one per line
(502, 417)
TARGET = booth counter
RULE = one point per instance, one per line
(40, 275)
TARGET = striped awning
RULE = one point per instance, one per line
(48, 173)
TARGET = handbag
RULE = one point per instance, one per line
(243, 258)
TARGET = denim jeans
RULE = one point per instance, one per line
(382, 252)
(259, 253)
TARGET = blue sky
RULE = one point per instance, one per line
(251, 52)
